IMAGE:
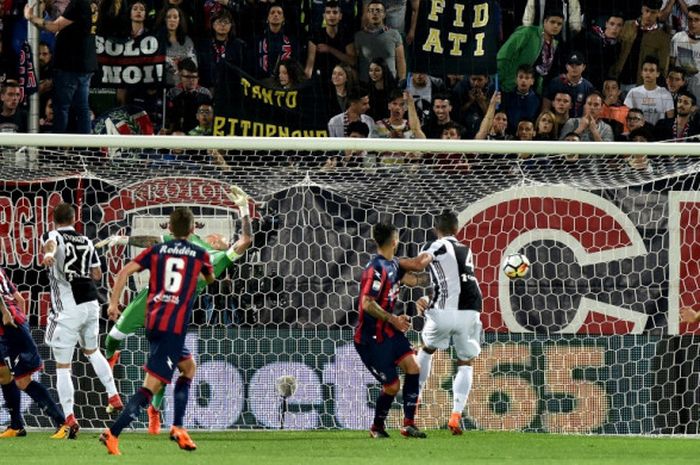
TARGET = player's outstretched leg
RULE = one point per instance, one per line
(110, 437)
(381, 410)
(104, 373)
(40, 395)
(154, 423)
(462, 385)
(410, 402)
(13, 403)
(181, 395)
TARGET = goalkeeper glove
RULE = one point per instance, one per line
(240, 198)
(112, 241)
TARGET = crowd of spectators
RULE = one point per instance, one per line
(589, 70)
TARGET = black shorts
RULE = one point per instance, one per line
(18, 351)
(381, 359)
(166, 351)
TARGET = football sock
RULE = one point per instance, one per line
(157, 400)
(425, 361)
(113, 341)
(410, 396)
(138, 401)
(13, 401)
(66, 390)
(461, 386)
(41, 396)
(381, 410)
(102, 370)
(181, 394)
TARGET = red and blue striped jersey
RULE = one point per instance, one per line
(174, 266)
(380, 281)
(8, 290)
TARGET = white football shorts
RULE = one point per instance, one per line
(75, 324)
(463, 327)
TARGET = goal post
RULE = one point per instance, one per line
(589, 341)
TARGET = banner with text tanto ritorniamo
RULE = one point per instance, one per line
(245, 106)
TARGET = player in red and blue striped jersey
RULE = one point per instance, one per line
(174, 266)
(380, 338)
(19, 358)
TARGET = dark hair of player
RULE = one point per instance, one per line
(382, 233)
(446, 222)
(181, 221)
(63, 213)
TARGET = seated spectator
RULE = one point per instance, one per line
(522, 102)
(561, 107)
(178, 45)
(573, 83)
(46, 122)
(221, 47)
(495, 123)
(432, 127)
(613, 108)
(45, 73)
(525, 130)
(634, 120)
(639, 163)
(472, 95)
(546, 127)
(205, 121)
(536, 46)
(423, 89)
(675, 81)
(358, 104)
(589, 127)
(685, 49)
(381, 84)
(352, 158)
(452, 131)
(274, 43)
(343, 79)
(602, 46)
(684, 124)
(12, 119)
(656, 102)
(183, 100)
(288, 75)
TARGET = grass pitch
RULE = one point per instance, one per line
(355, 448)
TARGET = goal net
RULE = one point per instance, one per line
(589, 341)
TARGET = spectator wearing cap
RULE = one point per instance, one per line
(376, 40)
(535, 46)
(573, 83)
(602, 46)
(358, 104)
(656, 102)
(685, 49)
(640, 38)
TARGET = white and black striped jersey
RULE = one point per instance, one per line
(452, 274)
(70, 277)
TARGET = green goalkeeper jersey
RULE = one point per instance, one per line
(134, 315)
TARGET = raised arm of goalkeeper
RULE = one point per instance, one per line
(213, 241)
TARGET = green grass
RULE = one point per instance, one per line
(356, 448)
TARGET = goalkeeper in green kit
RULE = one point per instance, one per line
(133, 316)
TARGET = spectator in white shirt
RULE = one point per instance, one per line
(656, 102)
